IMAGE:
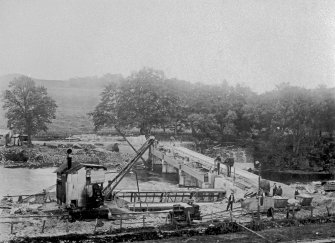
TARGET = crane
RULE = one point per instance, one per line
(107, 191)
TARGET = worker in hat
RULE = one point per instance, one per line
(217, 162)
(231, 200)
(274, 192)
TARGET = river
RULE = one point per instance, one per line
(29, 181)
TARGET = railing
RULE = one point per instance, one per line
(173, 196)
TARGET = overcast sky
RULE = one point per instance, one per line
(259, 43)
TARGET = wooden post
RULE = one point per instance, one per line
(96, 224)
(111, 228)
(253, 232)
(311, 211)
(143, 220)
(293, 212)
(121, 223)
(259, 192)
(67, 226)
(138, 190)
(43, 227)
(11, 227)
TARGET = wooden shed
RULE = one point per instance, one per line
(5, 136)
(78, 183)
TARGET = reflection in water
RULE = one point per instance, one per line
(30, 181)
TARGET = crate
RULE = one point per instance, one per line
(304, 200)
(280, 202)
(251, 204)
(329, 186)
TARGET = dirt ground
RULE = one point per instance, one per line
(307, 233)
(215, 212)
(323, 203)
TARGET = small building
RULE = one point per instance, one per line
(80, 185)
(5, 136)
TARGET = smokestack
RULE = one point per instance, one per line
(69, 158)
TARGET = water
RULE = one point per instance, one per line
(29, 181)
(25, 181)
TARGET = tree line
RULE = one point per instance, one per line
(287, 122)
(284, 124)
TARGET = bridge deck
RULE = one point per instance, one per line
(196, 165)
(244, 177)
(179, 164)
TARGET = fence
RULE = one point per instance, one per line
(120, 221)
(46, 223)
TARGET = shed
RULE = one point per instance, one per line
(5, 136)
(77, 183)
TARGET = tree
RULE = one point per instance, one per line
(141, 101)
(28, 107)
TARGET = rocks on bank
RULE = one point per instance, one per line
(54, 154)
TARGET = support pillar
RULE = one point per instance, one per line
(153, 162)
(164, 166)
(181, 178)
(169, 169)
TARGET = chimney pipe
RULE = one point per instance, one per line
(69, 159)
(69, 162)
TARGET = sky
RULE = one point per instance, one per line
(258, 43)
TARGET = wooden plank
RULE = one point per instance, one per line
(253, 232)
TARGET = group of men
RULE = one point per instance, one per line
(277, 191)
(229, 162)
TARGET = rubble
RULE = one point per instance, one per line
(52, 156)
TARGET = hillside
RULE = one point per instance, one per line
(74, 97)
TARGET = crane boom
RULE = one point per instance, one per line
(117, 179)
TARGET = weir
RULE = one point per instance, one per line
(192, 171)
(197, 170)
(190, 175)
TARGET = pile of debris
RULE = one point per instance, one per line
(53, 155)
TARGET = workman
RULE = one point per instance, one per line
(274, 191)
(279, 191)
(296, 193)
(217, 162)
(231, 200)
(229, 162)
(172, 141)
(262, 196)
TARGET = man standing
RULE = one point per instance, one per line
(296, 193)
(231, 200)
(279, 191)
(217, 162)
(274, 192)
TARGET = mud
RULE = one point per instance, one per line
(168, 231)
